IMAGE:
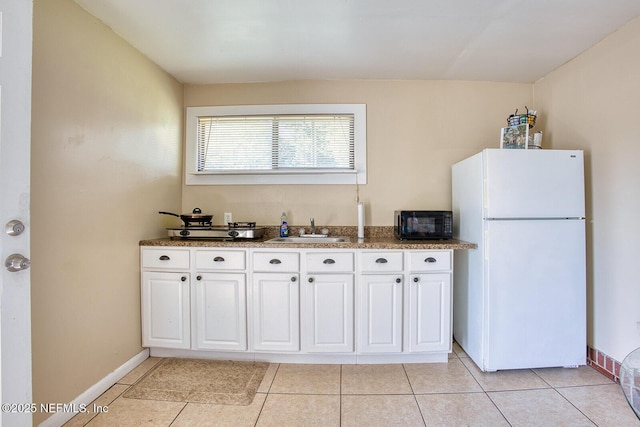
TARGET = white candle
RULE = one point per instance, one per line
(360, 220)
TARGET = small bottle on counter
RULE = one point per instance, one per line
(284, 227)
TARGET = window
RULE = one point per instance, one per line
(276, 144)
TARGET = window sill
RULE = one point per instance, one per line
(266, 179)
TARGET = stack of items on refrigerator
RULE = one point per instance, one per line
(518, 132)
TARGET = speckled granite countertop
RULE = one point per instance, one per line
(375, 238)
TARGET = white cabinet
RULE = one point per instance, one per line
(429, 306)
(299, 303)
(165, 259)
(194, 298)
(381, 313)
(220, 309)
(276, 317)
(276, 301)
(381, 305)
(405, 301)
(429, 314)
(219, 300)
(165, 298)
(327, 295)
(165, 309)
(220, 260)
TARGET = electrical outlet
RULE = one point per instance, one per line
(228, 218)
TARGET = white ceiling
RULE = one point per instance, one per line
(219, 41)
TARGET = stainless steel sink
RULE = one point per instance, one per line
(309, 239)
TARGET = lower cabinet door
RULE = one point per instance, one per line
(327, 313)
(165, 310)
(380, 313)
(276, 308)
(220, 311)
(429, 312)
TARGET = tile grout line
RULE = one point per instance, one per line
(486, 394)
(413, 392)
(178, 414)
(555, 389)
(340, 404)
(267, 394)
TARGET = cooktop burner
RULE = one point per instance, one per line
(232, 231)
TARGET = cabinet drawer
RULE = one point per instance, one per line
(330, 262)
(430, 261)
(276, 261)
(381, 261)
(166, 259)
(212, 259)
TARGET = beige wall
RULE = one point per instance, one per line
(592, 103)
(106, 138)
(415, 131)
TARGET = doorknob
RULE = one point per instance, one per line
(16, 262)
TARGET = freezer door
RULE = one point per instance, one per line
(535, 290)
(533, 184)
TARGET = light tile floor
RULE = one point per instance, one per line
(453, 394)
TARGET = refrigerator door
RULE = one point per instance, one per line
(535, 294)
(533, 184)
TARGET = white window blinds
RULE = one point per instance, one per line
(275, 142)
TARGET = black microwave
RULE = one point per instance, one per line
(423, 225)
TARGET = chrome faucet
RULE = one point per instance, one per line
(313, 226)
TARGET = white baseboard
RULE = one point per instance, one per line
(327, 358)
(93, 392)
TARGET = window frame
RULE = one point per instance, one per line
(356, 176)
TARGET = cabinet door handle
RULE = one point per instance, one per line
(416, 279)
(398, 280)
(381, 261)
(329, 261)
(218, 259)
(430, 259)
(293, 278)
(183, 279)
(310, 279)
(164, 258)
(275, 261)
(199, 278)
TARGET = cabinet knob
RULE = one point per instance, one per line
(430, 259)
(183, 278)
(275, 261)
(310, 279)
(218, 259)
(329, 261)
(398, 280)
(381, 261)
(199, 278)
(416, 279)
(164, 258)
(293, 278)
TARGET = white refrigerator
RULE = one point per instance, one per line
(519, 299)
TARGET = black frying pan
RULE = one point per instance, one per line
(195, 217)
